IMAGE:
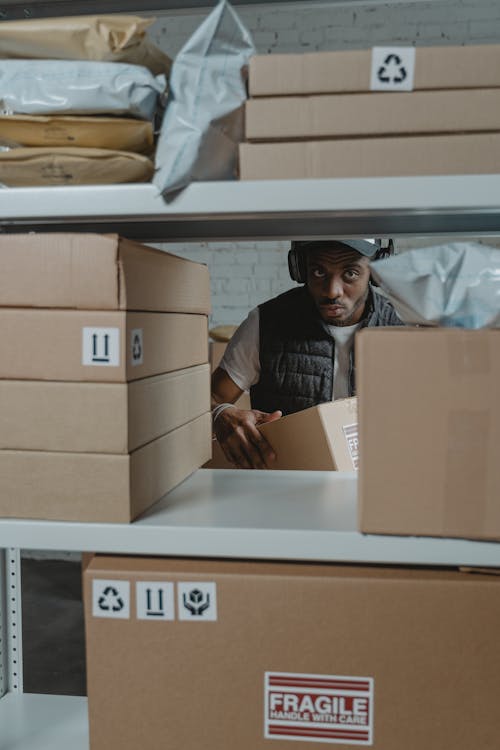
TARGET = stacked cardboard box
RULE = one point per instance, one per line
(226, 654)
(362, 113)
(104, 376)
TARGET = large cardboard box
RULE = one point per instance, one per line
(475, 66)
(99, 417)
(429, 431)
(110, 346)
(349, 115)
(224, 655)
(322, 438)
(372, 157)
(98, 272)
(108, 488)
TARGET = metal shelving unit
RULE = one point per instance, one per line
(260, 515)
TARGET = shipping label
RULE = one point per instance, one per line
(393, 69)
(318, 708)
(351, 436)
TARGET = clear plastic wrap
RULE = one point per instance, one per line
(455, 285)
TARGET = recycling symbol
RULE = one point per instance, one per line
(196, 602)
(392, 70)
(110, 600)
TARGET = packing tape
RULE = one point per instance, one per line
(466, 466)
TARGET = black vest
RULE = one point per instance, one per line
(297, 353)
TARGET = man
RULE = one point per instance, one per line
(296, 350)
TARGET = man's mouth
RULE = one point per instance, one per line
(332, 308)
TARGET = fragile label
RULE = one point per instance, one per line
(351, 436)
(318, 708)
(101, 347)
(393, 69)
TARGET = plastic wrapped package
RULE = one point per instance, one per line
(78, 87)
(455, 285)
(114, 38)
(203, 122)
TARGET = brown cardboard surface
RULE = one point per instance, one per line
(323, 438)
(372, 157)
(332, 115)
(105, 488)
(117, 38)
(473, 66)
(98, 272)
(58, 165)
(314, 439)
(99, 417)
(201, 684)
(118, 133)
(48, 344)
(429, 430)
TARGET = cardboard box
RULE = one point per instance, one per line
(475, 66)
(372, 157)
(99, 417)
(115, 347)
(429, 424)
(348, 115)
(107, 488)
(98, 272)
(323, 438)
(286, 655)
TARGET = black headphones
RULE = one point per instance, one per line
(297, 254)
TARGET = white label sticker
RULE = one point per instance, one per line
(197, 602)
(351, 436)
(111, 598)
(137, 346)
(155, 600)
(101, 347)
(318, 708)
(393, 68)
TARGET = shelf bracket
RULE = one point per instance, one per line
(11, 644)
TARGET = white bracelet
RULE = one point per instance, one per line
(218, 410)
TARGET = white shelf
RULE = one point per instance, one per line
(43, 722)
(389, 206)
(253, 514)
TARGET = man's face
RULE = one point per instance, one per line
(337, 279)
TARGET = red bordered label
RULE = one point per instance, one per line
(318, 708)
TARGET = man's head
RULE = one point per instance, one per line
(337, 276)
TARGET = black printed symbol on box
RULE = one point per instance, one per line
(392, 70)
(137, 346)
(196, 602)
(155, 600)
(100, 348)
(110, 600)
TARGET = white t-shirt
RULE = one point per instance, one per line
(242, 363)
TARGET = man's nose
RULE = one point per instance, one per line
(333, 287)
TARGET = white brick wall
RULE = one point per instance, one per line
(245, 274)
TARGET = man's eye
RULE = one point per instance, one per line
(317, 273)
(351, 275)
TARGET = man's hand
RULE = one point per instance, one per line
(241, 441)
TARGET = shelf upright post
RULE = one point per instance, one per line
(11, 644)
